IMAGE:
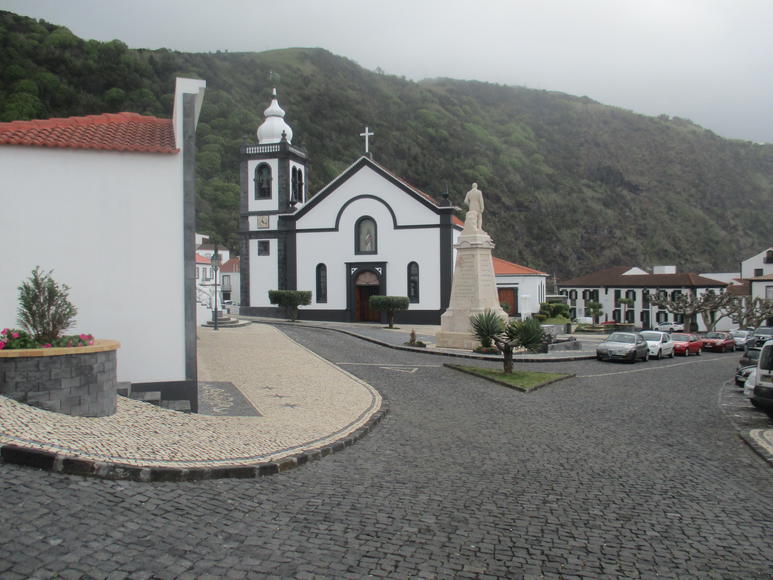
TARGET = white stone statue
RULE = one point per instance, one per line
(475, 206)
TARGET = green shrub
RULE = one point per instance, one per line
(290, 300)
(45, 310)
(390, 305)
(526, 333)
(486, 326)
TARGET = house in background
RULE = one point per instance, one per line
(519, 287)
(78, 193)
(610, 285)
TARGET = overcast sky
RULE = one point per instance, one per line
(710, 61)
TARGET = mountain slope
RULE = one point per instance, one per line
(571, 185)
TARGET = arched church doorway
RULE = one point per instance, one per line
(366, 284)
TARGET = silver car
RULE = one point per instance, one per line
(628, 346)
(742, 338)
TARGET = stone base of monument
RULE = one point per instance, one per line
(474, 290)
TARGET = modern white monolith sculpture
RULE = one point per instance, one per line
(474, 287)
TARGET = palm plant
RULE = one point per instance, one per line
(486, 326)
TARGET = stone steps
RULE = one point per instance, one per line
(154, 398)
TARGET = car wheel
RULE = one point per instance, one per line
(660, 355)
(646, 356)
(672, 354)
(687, 351)
(698, 352)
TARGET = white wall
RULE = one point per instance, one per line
(395, 247)
(264, 274)
(757, 261)
(531, 291)
(110, 226)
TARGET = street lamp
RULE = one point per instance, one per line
(215, 261)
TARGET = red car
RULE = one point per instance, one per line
(686, 344)
(718, 341)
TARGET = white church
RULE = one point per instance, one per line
(367, 232)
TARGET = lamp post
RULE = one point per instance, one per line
(215, 261)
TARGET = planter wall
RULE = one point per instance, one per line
(77, 381)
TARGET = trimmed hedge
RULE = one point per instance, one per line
(390, 305)
(290, 300)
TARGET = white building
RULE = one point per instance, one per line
(366, 233)
(78, 196)
(609, 286)
(521, 288)
(758, 265)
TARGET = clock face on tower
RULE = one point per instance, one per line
(263, 222)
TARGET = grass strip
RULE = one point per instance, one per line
(524, 381)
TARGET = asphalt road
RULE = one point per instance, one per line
(626, 471)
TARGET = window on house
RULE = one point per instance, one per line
(413, 282)
(768, 257)
(676, 294)
(226, 282)
(630, 294)
(617, 300)
(365, 236)
(263, 181)
(757, 272)
(630, 315)
(296, 185)
(321, 283)
(264, 248)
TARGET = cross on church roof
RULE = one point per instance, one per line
(366, 134)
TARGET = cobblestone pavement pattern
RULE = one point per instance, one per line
(303, 399)
(626, 471)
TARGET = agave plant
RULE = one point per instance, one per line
(526, 333)
(487, 326)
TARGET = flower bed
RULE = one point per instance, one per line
(78, 380)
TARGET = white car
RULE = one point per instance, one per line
(659, 343)
(670, 327)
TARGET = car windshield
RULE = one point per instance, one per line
(714, 335)
(740, 333)
(651, 336)
(680, 337)
(752, 354)
(621, 337)
(767, 331)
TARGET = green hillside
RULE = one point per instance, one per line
(571, 185)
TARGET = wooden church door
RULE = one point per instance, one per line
(366, 285)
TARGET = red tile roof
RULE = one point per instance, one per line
(503, 267)
(203, 260)
(109, 132)
(231, 266)
(613, 277)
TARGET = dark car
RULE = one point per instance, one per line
(718, 341)
(629, 346)
(762, 335)
(750, 356)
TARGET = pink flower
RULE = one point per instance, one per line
(47, 345)
(84, 336)
(2, 345)
(91, 341)
(4, 331)
(15, 335)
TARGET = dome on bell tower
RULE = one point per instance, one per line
(272, 128)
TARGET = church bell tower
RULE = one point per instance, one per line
(274, 184)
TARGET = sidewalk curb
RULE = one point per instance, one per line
(72, 465)
(421, 350)
(748, 438)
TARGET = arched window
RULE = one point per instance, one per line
(263, 181)
(413, 282)
(365, 236)
(296, 185)
(299, 196)
(321, 283)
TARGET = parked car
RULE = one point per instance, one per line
(629, 346)
(750, 356)
(748, 386)
(763, 334)
(669, 326)
(718, 341)
(742, 373)
(687, 344)
(743, 338)
(659, 343)
(762, 396)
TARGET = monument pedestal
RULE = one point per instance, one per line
(474, 290)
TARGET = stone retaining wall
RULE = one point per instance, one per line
(77, 381)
